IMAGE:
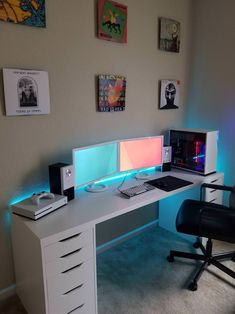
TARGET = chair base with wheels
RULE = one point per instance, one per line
(208, 220)
(208, 259)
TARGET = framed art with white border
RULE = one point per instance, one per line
(169, 95)
(26, 92)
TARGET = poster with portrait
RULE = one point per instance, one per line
(112, 93)
(169, 94)
(112, 21)
(169, 35)
(26, 92)
(30, 12)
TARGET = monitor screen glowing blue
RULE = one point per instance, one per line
(93, 163)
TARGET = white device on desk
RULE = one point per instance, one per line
(36, 197)
(39, 205)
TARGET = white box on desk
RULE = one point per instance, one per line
(34, 211)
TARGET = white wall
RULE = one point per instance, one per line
(69, 50)
(211, 98)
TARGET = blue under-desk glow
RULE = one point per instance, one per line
(95, 162)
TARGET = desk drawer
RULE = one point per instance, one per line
(213, 195)
(63, 264)
(85, 308)
(78, 301)
(62, 283)
(68, 245)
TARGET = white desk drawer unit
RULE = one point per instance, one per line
(74, 300)
(67, 245)
(62, 264)
(68, 280)
(69, 265)
(212, 195)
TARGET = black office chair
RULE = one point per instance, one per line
(209, 220)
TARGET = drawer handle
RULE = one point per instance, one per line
(213, 181)
(212, 191)
(70, 253)
(68, 270)
(69, 238)
(77, 308)
(212, 200)
(78, 287)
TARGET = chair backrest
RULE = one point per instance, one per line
(232, 199)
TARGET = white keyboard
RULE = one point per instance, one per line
(138, 189)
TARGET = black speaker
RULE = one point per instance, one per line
(166, 158)
(61, 178)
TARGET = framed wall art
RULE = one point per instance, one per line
(112, 21)
(169, 35)
(169, 94)
(26, 92)
(30, 12)
(112, 93)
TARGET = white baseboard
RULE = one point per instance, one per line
(7, 292)
(106, 246)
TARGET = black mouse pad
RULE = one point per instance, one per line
(169, 183)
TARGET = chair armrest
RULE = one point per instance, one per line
(215, 187)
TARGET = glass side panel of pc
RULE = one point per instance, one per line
(140, 153)
(194, 150)
(95, 162)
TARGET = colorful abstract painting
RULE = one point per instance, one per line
(112, 93)
(112, 21)
(169, 35)
(26, 12)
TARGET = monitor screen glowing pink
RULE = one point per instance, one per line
(141, 153)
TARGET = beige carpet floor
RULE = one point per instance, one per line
(135, 278)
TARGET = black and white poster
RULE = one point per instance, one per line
(26, 92)
(169, 97)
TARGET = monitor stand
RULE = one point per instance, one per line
(142, 175)
(96, 187)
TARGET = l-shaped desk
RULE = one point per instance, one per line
(55, 257)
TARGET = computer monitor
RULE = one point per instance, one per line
(92, 163)
(136, 154)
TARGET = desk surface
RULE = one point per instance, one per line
(89, 209)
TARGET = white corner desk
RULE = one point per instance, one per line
(55, 257)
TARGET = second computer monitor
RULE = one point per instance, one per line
(95, 162)
(140, 153)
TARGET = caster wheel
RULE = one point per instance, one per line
(193, 286)
(196, 245)
(170, 258)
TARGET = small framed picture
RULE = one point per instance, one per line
(112, 21)
(169, 94)
(26, 92)
(112, 93)
(169, 38)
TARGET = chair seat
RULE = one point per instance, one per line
(206, 220)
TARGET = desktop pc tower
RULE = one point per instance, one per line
(194, 150)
